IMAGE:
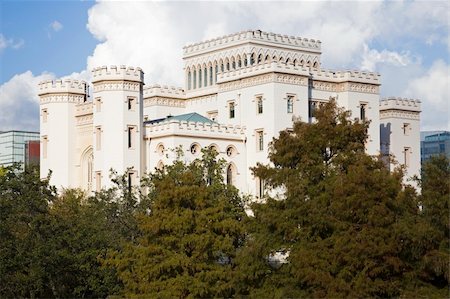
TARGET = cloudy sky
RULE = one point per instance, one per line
(407, 42)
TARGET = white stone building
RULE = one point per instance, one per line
(240, 91)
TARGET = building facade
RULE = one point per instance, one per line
(19, 147)
(240, 91)
(433, 144)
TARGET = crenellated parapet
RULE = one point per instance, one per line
(197, 129)
(310, 45)
(62, 86)
(346, 76)
(404, 104)
(164, 91)
(117, 73)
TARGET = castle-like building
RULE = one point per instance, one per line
(240, 91)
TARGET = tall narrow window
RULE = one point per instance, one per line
(210, 75)
(406, 128)
(131, 136)
(199, 78)
(131, 103)
(290, 104)
(44, 115)
(362, 111)
(407, 153)
(98, 138)
(98, 105)
(44, 146)
(252, 59)
(194, 75)
(230, 175)
(89, 171)
(260, 140)
(98, 181)
(189, 80)
(312, 108)
(231, 107)
(259, 104)
(205, 76)
(215, 74)
(260, 187)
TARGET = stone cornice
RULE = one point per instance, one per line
(86, 119)
(163, 101)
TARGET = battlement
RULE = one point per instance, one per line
(164, 91)
(310, 45)
(210, 130)
(393, 103)
(397, 103)
(62, 86)
(263, 68)
(344, 76)
(115, 73)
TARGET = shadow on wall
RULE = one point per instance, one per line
(385, 142)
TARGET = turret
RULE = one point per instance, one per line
(57, 128)
(117, 125)
(400, 133)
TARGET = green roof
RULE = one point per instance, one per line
(189, 117)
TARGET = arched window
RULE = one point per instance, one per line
(87, 160)
(294, 62)
(259, 58)
(210, 75)
(189, 80)
(239, 62)
(215, 76)
(222, 67)
(160, 165)
(194, 74)
(315, 65)
(199, 78)
(231, 174)
(205, 76)
(252, 59)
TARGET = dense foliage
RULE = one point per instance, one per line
(334, 223)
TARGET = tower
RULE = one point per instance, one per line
(58, 100)
(117, 123)
(400, 133)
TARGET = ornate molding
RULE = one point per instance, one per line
(325, 86)
(162, 101)
(345, 86)
(362, 87)
(399, 114)
(291, 79)
(61, 98)
(117, 85)
(87, 119)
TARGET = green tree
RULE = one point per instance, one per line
(189, 234)
(338, 216)
(24, 218)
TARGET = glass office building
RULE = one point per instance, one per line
(433, 144)
(19, 146)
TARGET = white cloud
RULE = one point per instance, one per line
(432, 88)
(19, 102)
(56, 26)
(10, 43)
(372, 57)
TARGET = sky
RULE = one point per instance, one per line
(407, 42)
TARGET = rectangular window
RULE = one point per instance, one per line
(312, 108)
(290, 104)
(260, 140)
(362, 111)
(44, 146)
(98, 181)
(98, 138)
(406, 128)
(131, 103)
(259, 104)
(44, 115)
(407, 154)
(131, 136)
(231, 107)
(98, 105)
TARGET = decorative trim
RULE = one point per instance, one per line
(119, 85)
(87, 119)
(399, 114)
(162, 101)
(62, 98)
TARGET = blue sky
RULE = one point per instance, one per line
(407, 42)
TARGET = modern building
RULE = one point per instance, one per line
(434, 143)
(19, 147)
(240, 91)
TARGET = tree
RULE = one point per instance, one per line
(189, 234)
(336, 214)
